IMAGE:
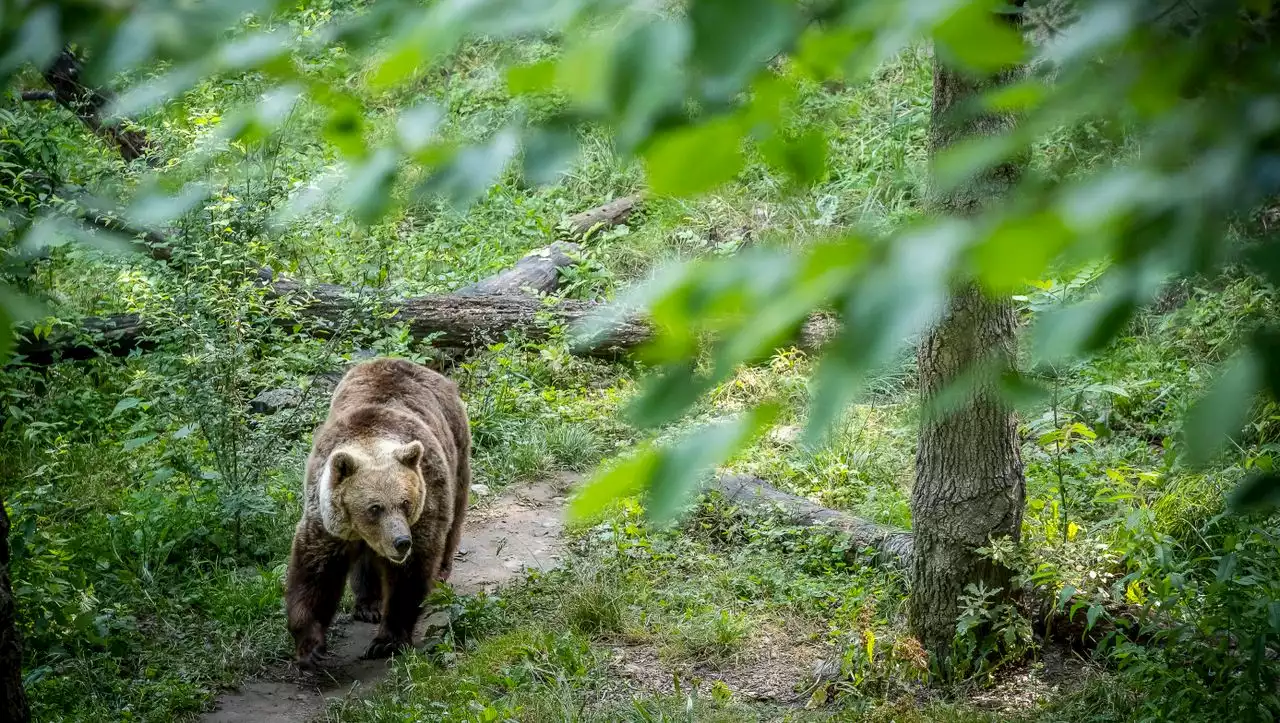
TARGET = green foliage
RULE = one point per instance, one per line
(414, 148)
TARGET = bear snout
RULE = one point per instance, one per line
(403, 544)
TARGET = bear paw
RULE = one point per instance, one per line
(445, 570)
(309, 660)
(367, 612)
(385, 647)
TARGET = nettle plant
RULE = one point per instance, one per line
(691, 88)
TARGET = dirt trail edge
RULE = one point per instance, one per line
(503, 537)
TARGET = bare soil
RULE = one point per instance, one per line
(504, 537)
(775, 666)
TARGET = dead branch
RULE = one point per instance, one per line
(90, 104)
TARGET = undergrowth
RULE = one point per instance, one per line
(153, 508)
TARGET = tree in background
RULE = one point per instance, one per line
(969, 486)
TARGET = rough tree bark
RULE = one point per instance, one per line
(610, 214)
(472, 316)
(969, 486)
(88, 104)
(538, 272)
(13, 699)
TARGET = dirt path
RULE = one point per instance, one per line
(504, 537)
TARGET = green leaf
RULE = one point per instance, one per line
(967, 158)
(38, 40)
(1018, 250)
(367, 193)
(665, 396)
(1226, 567)
(539, 77)
(133, 44)
(823, 52)
(687, 161)
(345, 126)
(803, 158)
(1016, 97)
(156, 209)
(417, 126)
(548, 153)
(1259, 492)
(1091, 616)
(1065, 595)
(647, 79)
(732, 39)
(619, 479)
(979, 39)
(1218, 416)
(668, 475)
(136, 442)
(253, 50)
(425, 37)
(153, 91)
(471, 171)
(125, 404)
(1082, 328)
(681, 465)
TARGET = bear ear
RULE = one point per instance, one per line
(410, 454)
(343, 465)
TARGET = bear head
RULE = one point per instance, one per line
(375, 492)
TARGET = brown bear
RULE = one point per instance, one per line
(385, 495)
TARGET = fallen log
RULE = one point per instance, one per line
(538, 271)
(606, 216)
(146, 241)
(892, 545)
(458, 322)
(117, 335)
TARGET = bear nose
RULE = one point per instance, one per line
(403, 544)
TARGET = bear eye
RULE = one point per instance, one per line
(375, 510)
(405, 504)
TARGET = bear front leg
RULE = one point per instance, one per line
(405, 587)
(460, 502)
(317, 570)
(366, 587)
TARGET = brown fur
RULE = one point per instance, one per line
(394, 457)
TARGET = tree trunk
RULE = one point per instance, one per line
(969, 486)
(88, 104)
(13, 699)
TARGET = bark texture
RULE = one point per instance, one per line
(969, 486)
(610, 214)
(89, 105)
(461, 321)
(13, 699)
(893, 546)
(538, 272)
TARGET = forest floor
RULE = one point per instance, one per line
(505, 536)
